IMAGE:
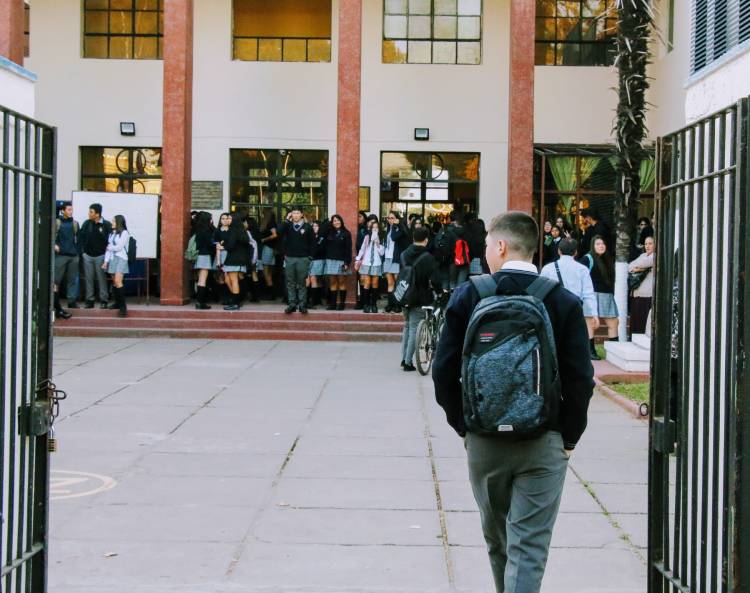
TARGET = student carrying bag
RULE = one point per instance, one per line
(510, 379)
(406, 292)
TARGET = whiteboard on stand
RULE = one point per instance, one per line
(141, 212)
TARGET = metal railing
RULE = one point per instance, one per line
(699, 457)
(27, 166)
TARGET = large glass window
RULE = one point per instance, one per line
(123, 29)
(432, 31)
(575, 32)
(569, 179)
(280, 179)
(431, 184)
(282, 30)
(122, 169)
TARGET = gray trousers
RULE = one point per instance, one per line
(517, 486)
(296, 270)
(412, 317)
(66, 267)
(92, 271)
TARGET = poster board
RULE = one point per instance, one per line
(141, 212)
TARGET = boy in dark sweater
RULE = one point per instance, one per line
(518, 483)
(297, 241)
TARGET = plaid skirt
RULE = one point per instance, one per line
(371, 271)
(242, 269)
(267, 256)
(117, 265)
(606, 305)
(205, 262)
(475, 267)
(317, 267)
(333, 268)
(390, 267)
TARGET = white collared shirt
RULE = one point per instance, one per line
(520, 266)
(575, 278)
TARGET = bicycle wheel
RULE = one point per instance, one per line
(424, 347)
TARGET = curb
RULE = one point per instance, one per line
(633, 408)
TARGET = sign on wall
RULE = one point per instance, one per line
(207, 195)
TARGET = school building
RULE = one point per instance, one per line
(339, 105)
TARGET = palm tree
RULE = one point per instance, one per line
(635, 24)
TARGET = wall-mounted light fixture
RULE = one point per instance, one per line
(421, 133)
(127, 128)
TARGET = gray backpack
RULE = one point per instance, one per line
(510, 379)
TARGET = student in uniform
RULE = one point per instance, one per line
(297, 244)
(317, 267)
(204, 242)
(95, 233)
(116, 262)
(518, 483)
(251, 279)
(601, 266)
(67, 252)
(338, 260)
(396, 242)
(220, 235)
(236, 262)
(369, 262)
(269, 235)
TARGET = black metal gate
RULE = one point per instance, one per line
(699, 498)
(27, 166)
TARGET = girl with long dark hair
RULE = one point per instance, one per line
(601, 266)
(204, 241)
(269, 236)
(363, 221)
(370, 262)
(338, 260)
(116, 262)
(220, 235)
(396, 242)
(317, 266)
(237, 261)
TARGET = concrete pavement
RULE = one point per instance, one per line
(226, 466)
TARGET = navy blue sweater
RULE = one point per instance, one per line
(571, 339)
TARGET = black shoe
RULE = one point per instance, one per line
(290, 309)
(232, 307)
(409, 368)
(113, 306)
(62, 314)
(359, 306)
(303, 309)
(403, 364)
(122, 312)
(202, 306)
(73, 305)
(104, 305)
(89, 305)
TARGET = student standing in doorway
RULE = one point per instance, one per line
(67, 250)
(338, 260)
(204, 242)
(601, 266)
(517, 480)
(297, 244)
(116, 262)
(94, 237)
(269, 235)
(237, 261)
(396, 242)
(370, 262)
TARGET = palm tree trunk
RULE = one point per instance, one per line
(635, 20)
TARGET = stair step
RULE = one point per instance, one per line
(217, 312)
(642, 341)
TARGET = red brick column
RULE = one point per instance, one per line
(521, 113)
(348, 117)
(11, 30)
(177, 146)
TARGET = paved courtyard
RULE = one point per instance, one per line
(225, 466)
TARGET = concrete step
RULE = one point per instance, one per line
(642, 341)
(628, 356)
(113, 331)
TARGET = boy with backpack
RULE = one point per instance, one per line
(452, 252)
(414, 290)
(513, 373)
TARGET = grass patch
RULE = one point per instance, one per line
(601, 351)
(637, 392)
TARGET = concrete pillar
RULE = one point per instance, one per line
(177, 149)
(11, 30)
(348, 119)
(521, 112)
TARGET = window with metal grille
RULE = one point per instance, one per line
(718, 27)
(432, 31)
(575, 32)
(123, 29)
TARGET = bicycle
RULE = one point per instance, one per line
(428, 333)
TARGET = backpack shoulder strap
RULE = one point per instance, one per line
(541, 287)
(484, 284)
(559, 275)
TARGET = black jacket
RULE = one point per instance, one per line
(204, 242)
(401, 240)
(94, 236)
(426, 274)
(236, 244)
(66, 237)
(339, 245)
(597, 279)
(571, 339)
(296, 243)
(319, 246)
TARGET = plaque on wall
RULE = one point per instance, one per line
(207, 195)
(364, 198)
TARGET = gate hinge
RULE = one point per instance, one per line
(664, 435)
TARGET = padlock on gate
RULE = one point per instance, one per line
(51, 441)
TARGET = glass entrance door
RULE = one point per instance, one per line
(279, 179)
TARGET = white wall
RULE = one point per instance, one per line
(574, 104)
(719, 85)
(465, 107)
(17, 87)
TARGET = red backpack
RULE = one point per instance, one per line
(461, 253)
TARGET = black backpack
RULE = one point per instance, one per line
(444, 245)
(132, 250)
(510, 379)
(406, 292)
